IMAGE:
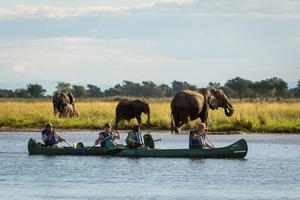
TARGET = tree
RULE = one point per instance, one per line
(79, 91)
(63, 87)
(241, 87)
(94, 91)
(214, 84)
(36, 90)
(6, 93)
(178, 86)
(22, 93)
(281, 87)
(165, 90)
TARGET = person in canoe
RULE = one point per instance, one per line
(135, 139)
(198, 138)
(106, 135)
(50, 137)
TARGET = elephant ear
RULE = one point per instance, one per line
(137, 105)
(71, 97)
(212, 99)
(213, 102)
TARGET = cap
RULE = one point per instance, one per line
(49, 125)
(107, 125)
(135, 127)
(201, 126)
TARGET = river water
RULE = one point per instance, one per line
(271, 170)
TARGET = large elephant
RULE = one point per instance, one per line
(129, 109)
(61, 100)
(189, 105)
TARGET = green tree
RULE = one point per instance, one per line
(6, 93)
(214, 84)
(94, 91)
(150, 89)
(241, 87)
(22, 93)
(36, 90)
(178, 86)
(165, 90)
(63, 87)
(79, 91)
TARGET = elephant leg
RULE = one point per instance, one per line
(139, 119)
(183, 119)
(54, 109)
(177, 124)
(117, 122)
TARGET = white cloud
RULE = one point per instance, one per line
(19, 68)
(59, 57)
(23, 68)
(254, 8)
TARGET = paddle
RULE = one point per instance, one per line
(209, 141)
(145, 144)
(63, 139)
(99, 142)
(68, 143)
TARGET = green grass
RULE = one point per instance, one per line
(283, 116)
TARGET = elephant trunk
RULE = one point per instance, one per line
(228, 108)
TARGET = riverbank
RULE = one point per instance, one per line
(18, 130)
(249, 117)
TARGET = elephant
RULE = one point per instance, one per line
(61, 100)
(68, 111)
(189, 105)
(129, 109)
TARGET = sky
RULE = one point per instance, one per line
(106, 42)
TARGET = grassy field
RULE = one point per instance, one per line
(260, 117)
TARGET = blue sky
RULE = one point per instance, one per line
(105, 42)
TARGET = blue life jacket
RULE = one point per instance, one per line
(53, 140)
(194, 142)
(139, 138)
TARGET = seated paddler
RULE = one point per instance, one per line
(107, 135)
(198, 138)
(50, 137)
(134, 138)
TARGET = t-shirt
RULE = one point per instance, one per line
(134, 137)
(199, 142)
(106, 136)
(52, 141)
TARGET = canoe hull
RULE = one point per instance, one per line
(237, 150)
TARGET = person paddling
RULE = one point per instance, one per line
(198, 138)
(135, 139)
(106, 135)
(50, 137)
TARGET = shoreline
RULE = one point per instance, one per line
(9, 129)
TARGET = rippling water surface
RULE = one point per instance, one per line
(271, 170)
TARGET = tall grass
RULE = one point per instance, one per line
(93, 114)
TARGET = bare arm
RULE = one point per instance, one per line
(100, 137)
(196, 136)
(117, 135)
(59, 137)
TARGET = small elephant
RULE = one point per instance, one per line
(60, 100)
(129, 109)
(68, 111)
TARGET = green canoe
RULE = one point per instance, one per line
(237, 150)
